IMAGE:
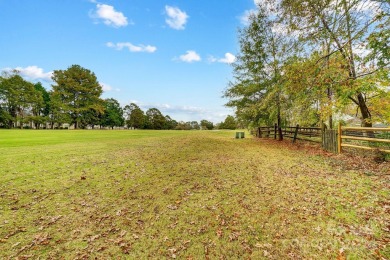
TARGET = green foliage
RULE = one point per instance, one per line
(74, 99)
(57, 114)
(5, 118)
(340, 59)
(91, 118)
(339, 30)
(257, 90)
(77, 90)
(183, 126)
(229, 123)
(170, 123)
(135, 117)
(17, 96)
(192, 125)
(113, 114)
(378, 42)
(44, 107)
(206, 125)
(154, 119)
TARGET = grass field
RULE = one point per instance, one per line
(183, 194)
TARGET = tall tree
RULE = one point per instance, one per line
(195, 125)
(41, 107)
(154, 119)
(347, 25)
(77, 90)
(113, 114)
(206, 124)
(57, 114)
(135, 117)
(229, 123)
(45, 108)
(170, 123)
(309, 87)
(183, 125)
(256, 92)
(91, 118)
(17, 96)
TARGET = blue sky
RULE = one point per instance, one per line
(172, 55)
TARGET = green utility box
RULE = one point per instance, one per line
(240, 135)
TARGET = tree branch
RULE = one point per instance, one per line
(353, 100)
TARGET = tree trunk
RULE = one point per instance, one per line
(280, 127)
(259, 132)
(13, 115)
(366, 116)
(330, 122)
(347, 53)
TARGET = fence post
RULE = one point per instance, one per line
(323, 134)
(275, 129)
(339, 138)
(259, 133)
(295, 134)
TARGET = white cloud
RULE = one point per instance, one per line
(212, 59)
(176, 18)
(107, 88)
(32, 73)
(190, 56)
(229, 58)
(131, 47)
(110, 16)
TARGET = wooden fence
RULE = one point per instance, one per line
(267, 131)
(330, 140)
(294, 132)
(297, 132)
(367, 138)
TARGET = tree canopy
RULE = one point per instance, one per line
(305, 61)
(17, 97)
(78, 91)
(113, 114)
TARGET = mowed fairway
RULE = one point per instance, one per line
(182, 194)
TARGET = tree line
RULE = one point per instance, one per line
(310, 62)
(75, 99)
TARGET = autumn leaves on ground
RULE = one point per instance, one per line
(186, 195)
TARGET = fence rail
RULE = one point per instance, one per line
(367, 138)
(295, 132)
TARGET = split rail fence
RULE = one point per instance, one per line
(367, 138)
(333, 140)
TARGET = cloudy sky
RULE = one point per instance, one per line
(172, 55)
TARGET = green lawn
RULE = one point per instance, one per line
(183, 194)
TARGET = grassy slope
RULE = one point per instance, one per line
(181, 194)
